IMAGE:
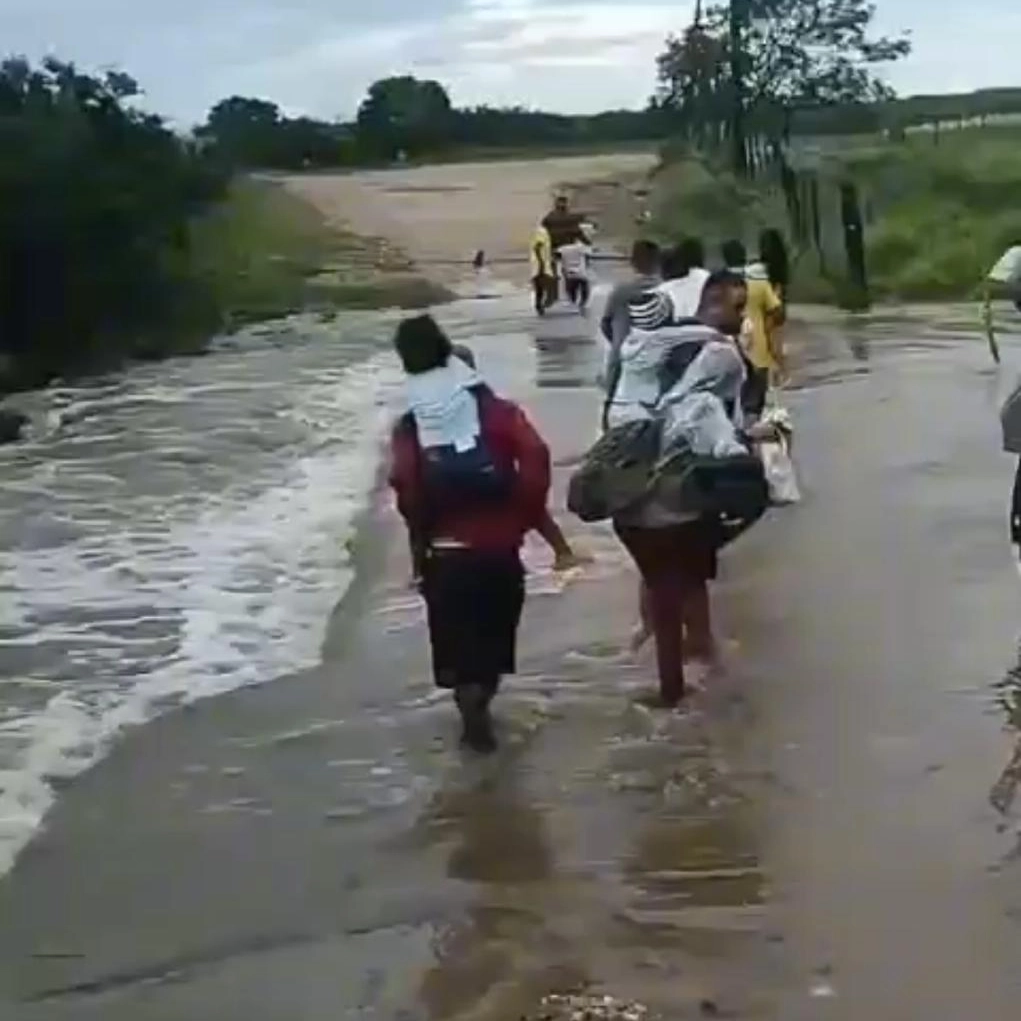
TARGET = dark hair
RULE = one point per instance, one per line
(465, 353)
(646, 256)
(773, 253)
(721, 280)
(421, 345)
(692, 253)
(680, 261)
(734, 253)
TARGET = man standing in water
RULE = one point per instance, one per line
(471, 476)
(562, 224)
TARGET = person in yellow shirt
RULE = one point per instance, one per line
(543, 273)
(761, 337)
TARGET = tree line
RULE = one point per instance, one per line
(405, 117)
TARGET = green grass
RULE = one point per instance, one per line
(938, 216)
(266, 253)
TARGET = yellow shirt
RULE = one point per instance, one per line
(541, 253)
(762, 302)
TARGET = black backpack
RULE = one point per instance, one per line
(733, 488)
(616, 473)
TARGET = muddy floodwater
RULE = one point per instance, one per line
(829, 832)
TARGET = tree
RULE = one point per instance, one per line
(791, 54)
(96, 200)
(694, 81)
(243, 129)
(405, 114)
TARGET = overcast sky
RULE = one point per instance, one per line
(318, 56)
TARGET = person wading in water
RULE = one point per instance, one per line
(676, 552)
(471, 476)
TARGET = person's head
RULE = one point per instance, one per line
(421, 345)
(724, 298)
(680, 261)
(735, 255)
(691, 253)
(465, 353)
(650, 310)
(646, 257)
(562, 204)
(773, 253)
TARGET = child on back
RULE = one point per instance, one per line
(564, 556)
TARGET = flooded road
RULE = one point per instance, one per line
(816, 839)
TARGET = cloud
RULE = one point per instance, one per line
(319, 56)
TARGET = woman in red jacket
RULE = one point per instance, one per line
(471, 476)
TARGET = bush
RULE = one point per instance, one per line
(96, 199)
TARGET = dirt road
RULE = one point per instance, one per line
(442, 215)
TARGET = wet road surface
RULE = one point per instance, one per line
(816, 839)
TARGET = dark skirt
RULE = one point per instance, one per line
(689, 549)
(473, 601)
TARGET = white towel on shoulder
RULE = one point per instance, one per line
(446, 411)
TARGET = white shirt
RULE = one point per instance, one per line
(574, 259)
(1008, 267)
(686, 292)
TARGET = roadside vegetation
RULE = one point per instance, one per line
(780, 118)
(121, 240)
(936, 216)
(265, 253)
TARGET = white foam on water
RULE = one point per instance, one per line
(239, 589)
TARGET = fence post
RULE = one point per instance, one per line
(854, 244)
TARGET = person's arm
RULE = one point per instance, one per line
(533, 463)
(611, 311)
(612, 377)
(773, 312)
(405, 476)
(1015, 508)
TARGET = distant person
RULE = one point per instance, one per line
(735, 256)
(760, 333)
(562, 224)
(575, 264)
(762, 338)
(675, 552)
(543, 270)
(471, 477)
(774, 258)
(646, 275)
(684, 276)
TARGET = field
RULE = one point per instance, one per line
(939, 209)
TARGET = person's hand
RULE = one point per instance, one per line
(762, 432)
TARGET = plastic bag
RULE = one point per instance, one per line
(780, 474)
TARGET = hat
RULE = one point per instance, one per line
(650, 310)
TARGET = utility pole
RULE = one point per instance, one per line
(738, 20)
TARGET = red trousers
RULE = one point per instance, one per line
(675, 563)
